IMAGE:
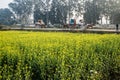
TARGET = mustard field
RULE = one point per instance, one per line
(59, 56)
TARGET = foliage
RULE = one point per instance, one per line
(92, 12)
(60, 11)
(39, 15)
(41, 10)
(6, 17)
(22, 9)
(111, 9)
(54, 11)
(59, 56)
(115, 18)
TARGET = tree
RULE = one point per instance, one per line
(110, 9)
(38, 14)
(53, 11)
(41, 10)
(115, 11)
(115, 18)
(92, 12)
(6, 17)
(58, 12)
(22, 10)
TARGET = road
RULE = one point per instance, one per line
(68, 30)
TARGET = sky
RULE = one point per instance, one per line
(4, 3)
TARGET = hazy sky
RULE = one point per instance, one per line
(4, 3)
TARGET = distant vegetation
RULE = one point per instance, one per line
(60, 11)
(59, 56)
(6, 17)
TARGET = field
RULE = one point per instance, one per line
(59, 56)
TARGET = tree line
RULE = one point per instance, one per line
(60, 11)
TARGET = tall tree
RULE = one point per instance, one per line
(115, 11)
(92, 12)
(41, 10)
(6, 17)
(22, 10)
(115, 18)
(109, 8)
(58, 12)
